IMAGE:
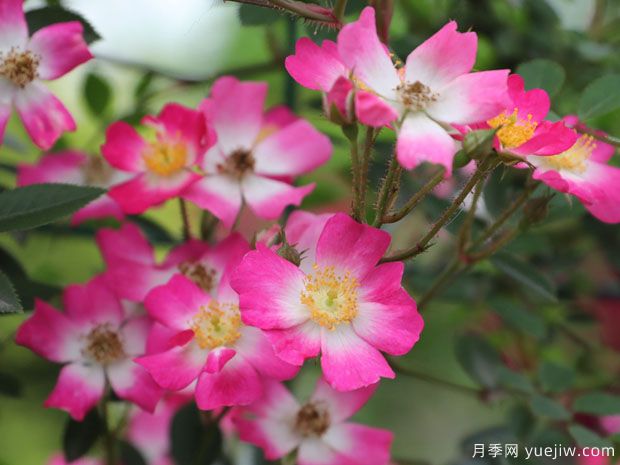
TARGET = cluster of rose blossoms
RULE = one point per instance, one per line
(226, 323)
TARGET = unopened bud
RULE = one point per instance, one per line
(479, 143)
(461, 159)
(290, 253)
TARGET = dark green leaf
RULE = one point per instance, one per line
(514, 380)
(251, 15)
(42, 17)
(192, 442)
(9, 300)
(600, 97)
(10, 385)
(479, 359)
(587, 438)
(144, 84)
(542, 74)
(546, 407)
(525, 274)
(519, 318)
(79, 437)
(38, 204)
(129, 455)
(555, 378)
(97, 93)
(598, 403)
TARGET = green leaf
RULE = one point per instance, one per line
(38, 204)
(519, 318)
(9, 385)
(555, 378)
(251, 15)
(97, 93)
(193, 442)
(129, 455)
(600, 97)
(9, 300)
(479, 359)
(514, 380)
(42, 17)
(479, 143)
(525, 274)
(144, 84)
(587, 438)
(598, 403)
(542, 74)
(546, 407)
(79, 437)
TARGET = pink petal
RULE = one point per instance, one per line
(50, 334)
(387, 316)
(373, 111)
(297, 343)
(549, 139)
(363, 444)
(103, 207)
(256, 349)
(78, 389)
(13, 28)
(422, 140)
(217, 359)
(362, 51)
(123, 147)
(237, 384)
(315, 451)
(315, 67)
(175, 303)
(341, 405)
(351, 246)
(533, 102)
(44, 116)
(443, 57)
(133, 281)
(268, 198)
(294, 150)
(339, 99)
(176, 368)
(60, 47)
(57, 167)
(606, 208)
(278, 117)
(220, 195)
(131, 382)
(236, 112)
(349, 362)
(92, 304)
(135, 332)
(269, 288)
(471, 98)
(303, 230)
(127, 243)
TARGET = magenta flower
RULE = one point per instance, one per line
(257, 154)
(133, 271)
(522, 128)
(26, 61)
(583, 170)
(318, 429)
(339, 303)
(78, 168)
(96, 343)
(161, 167)
(210, 344)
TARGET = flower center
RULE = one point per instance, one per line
(238, 163)
(574, 159)
(165, 158)
(331, 299)
(104, 345)
(416, 96)
(513, 131)
(203, 277)
(312, 420)
(21, 68)
(97, 172)
(216, 325)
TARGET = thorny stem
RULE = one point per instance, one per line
(309, 11)
(350, 132)
(465, 232)
(386, 191)
(369, 142)
(415, 199)
(599, 136)
(484, 168)
(187, 234)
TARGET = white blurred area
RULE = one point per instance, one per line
(575, 15)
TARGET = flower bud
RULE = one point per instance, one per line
(290, 253)
(479, 143)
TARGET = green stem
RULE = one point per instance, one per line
(351, 132)
(602, 137)
(208, 223)
(339, 9)
(434, 380)
(187, 234)
(309, 11)
(109, 434)
(369, 142)
(415, 199)
(387, 186)
(485, 167)
(465, 232)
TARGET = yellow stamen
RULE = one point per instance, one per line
(513, 131)
(165, 158)
(216, 325)
(331, 298)
(574, 159)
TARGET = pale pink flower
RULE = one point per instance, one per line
(317, 429)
